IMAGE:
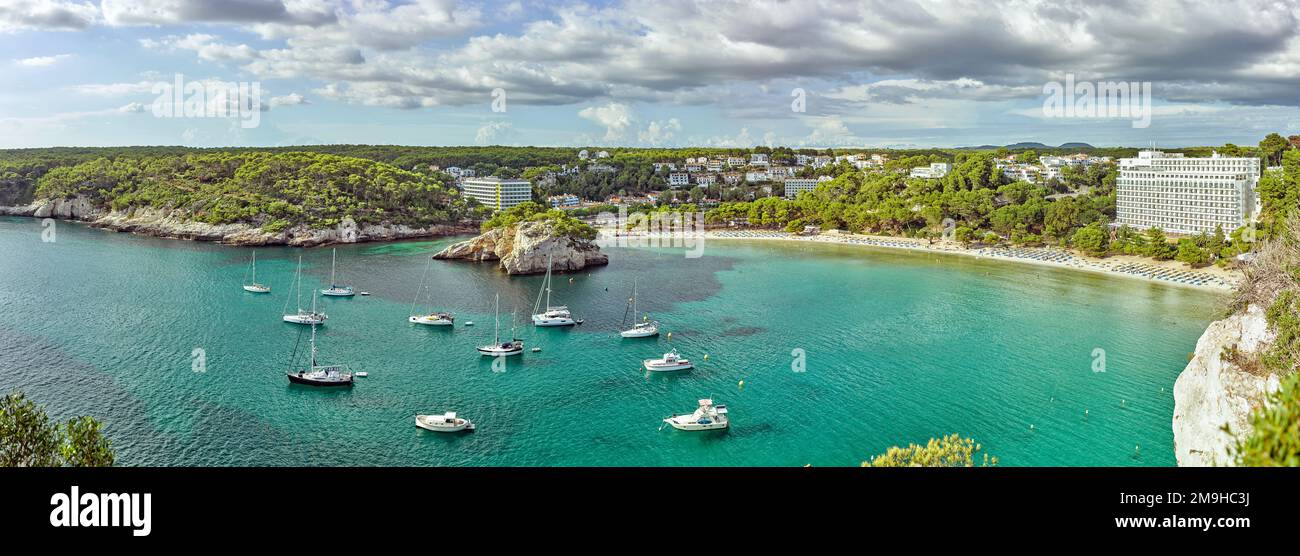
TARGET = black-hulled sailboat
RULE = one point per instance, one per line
(315, 374)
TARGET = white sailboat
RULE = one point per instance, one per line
(706, 417)
(315, 374)
(498, 348)
(550, 315)
(303, 317)
(643, 329)
(254, 286)
(336, 290)
(431, 318)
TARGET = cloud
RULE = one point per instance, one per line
(41, 61)
(176, 12)
(132, 108)
(60, 15)
(205, 46)
(615, 117)
(495, 133)
(113, 89)
(659, 133)
(291, 99)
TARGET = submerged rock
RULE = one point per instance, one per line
(525, 248)
(1212, 392)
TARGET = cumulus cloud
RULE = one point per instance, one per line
(495, 133)
(46, 15)
(659, 133)
(291, 99)
(615, 117)
(41, 61)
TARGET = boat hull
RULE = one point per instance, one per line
(639, 333)
(710, 426)
(306, 381)
(427, 321)
(304, 319)
(653, 367)
(257, 289)
(462, 425)
(490, 352)
(337, 293)
(543, 321)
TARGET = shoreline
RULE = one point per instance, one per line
(157, 225)
(1123, 266)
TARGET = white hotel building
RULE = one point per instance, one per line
(1186, 196)
(497, 193)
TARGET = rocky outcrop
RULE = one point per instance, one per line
(1213, 390)
(176, 224)
(525, 248)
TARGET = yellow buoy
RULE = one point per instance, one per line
(742, 384)
(706, 357)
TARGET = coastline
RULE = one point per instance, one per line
(1124, 266)
(153, 223)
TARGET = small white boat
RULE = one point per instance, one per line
(434, 319)
(430, 318)
(336, 290)
(705, 418)
(254, 286)
(671, 361)
(365, 293)
(498, 348)
(447, 422)
(362, 374)
(536, 349)
(469, 323)
(644, 329)
(549, 315)
(312, 317)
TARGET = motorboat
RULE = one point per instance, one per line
(671, 361)
(447, 422)
(706, 417)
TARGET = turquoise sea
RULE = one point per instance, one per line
(896, 347)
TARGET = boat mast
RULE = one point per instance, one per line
(548, 282)
(313, 345)
(496, 332)
(334, 257)
(254, 267)
(297, 278)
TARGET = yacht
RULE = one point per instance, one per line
(312, 317)
(644, 329)
(498, 348)
(431, 318)
(671, 361)
(447, 422)
(254, 286)
(705, 418)
(315, 374)
(336, 290)
(550, 315)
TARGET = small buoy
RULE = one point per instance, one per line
(1031, 427)
(706, 357)
(570, 280)
(670, 336)
(741, 384)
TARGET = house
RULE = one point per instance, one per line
(936, 170)
(558, 201)
(677, 179)
(705, 180)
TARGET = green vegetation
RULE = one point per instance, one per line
(274, 190)
(1274, 439)
(949, 451)
(560, 222)
(29, 439)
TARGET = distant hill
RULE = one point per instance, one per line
(1028, 145)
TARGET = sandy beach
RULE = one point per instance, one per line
(1165, 272)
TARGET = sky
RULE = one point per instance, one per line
(648, 73)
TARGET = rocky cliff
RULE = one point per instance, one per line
(1213, 390)
(169, 224)
(524, 249)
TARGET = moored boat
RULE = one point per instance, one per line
(315, 374)
(706, 417)
(671, 361)
(447, 422)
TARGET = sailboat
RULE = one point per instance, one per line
(550, 315)
(643, 329)
(315, 374)
(498, 348)
(254, 286)
(432, 318)
(336, 290)
(303, 317)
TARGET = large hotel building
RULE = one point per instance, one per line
(1186, 196)
(497, 193)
